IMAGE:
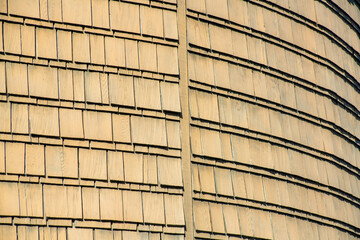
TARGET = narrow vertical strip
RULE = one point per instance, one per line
(185, 120)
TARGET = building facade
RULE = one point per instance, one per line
(179, 119)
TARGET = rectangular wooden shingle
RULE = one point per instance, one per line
(17, 78)
(12, 41)
(100, 13)
(35, 162)
(147, 93)
(170, 171)
(97, 49)
(125, 17)
(9, 199)
(43, 82)
(64, 45)
(92, 164)
(31, 200)
(231, 218)
(121, 90)
(153, 205)
(61, 201)
(174, 210)
(71, 124)
(133, 166)
(61, 162)
(167, 58)
(44, 120)
(202, 216)
(77, 11)
(15, 154)
(27, 40)
(151, 21)
(5, 122)
(111, 207)
(81, 47)
(223, 182)
(90, 203)
(97, 125)
(46, 43)
(151, 131)
(115, 166)
(132, 206)
(115, 51)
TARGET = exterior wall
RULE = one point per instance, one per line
(174, 119)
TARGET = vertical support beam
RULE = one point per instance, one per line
(185, 120)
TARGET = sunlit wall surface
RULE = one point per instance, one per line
(179, 119)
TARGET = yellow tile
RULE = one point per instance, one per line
(46, 43)
(54, 8)
(147, 93)
(12, 38)
(71, 124)
(170, 173)
(61, 162)
(174, 210)
(79, 233)
(9, 200)
(207, 180)
(81, 47)
(121, 90)
(218, 36)
(62, 202)
(133, 166)
(147, 56)
(28, 40)
(125, 17)
(153, 205)
(34, 159)
(217, 8)
(121, 128)
(91, 203)
(115, 51)
(97, 49)
(167, 58)
(77, 11)
(41, 125)
(15, 154)
(150, 169)
(145, 130)
(231, 218)
(198, 33)
(217, 219)
(92, 164)
(170, 24)
(64, 49)
(97, 125)
(151, 21)
(31, 200)
(28, 9)
(116, 166)
(202, 216)
(5, 117)
(8, 232)
(43, 82)
(132, 206)
(223, 182)
(132, 55)
(100, 13)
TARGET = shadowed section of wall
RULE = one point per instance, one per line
(173, 120)
(275, 100)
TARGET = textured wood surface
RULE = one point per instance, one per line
(179, 119)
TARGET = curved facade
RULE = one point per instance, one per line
(179, 119)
